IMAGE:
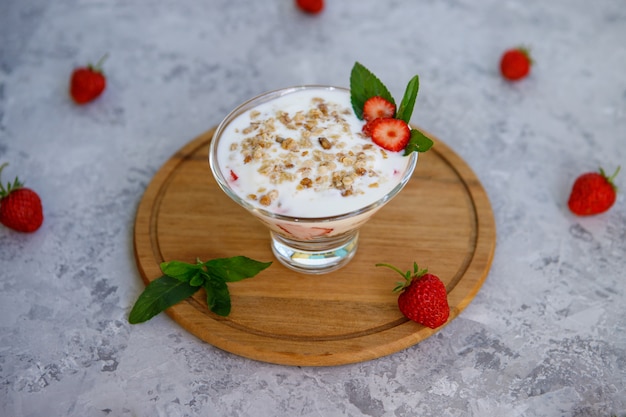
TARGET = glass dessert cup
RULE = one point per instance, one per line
(306, 244)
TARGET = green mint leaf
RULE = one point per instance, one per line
(419, 142)
(182, 271)
(235, 268)
(364, 85)
(160, 294)
(199, 279)
(408, 101)
(217, 296)
(182, 280)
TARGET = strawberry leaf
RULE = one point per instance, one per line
(419, 142)
(159, 295)
(408, 101)
(364, 85)
(10, 187)
(235, 268)
(408, 276)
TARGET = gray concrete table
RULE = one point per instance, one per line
(546, 335)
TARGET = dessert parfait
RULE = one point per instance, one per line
(314, 163)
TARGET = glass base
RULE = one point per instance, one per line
(318, 257)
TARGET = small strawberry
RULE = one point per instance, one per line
(20, 208)
(311, 6)
(423, 298)
(593, 193)
(87, 83)
(376, 107)
(390, 134)
(515, 63)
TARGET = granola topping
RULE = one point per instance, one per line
(329, 159)
(315, 147)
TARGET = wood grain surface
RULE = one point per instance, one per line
(442, 219)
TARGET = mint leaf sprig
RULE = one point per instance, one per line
(181, 280)
(419, 142)
(408, 100)
(365, 85)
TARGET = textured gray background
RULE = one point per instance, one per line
(544, 337)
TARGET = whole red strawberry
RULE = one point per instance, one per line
(515, 63)
(311, 6)
(87, 83)
(20, 208)
(593, 193)
(423, 298)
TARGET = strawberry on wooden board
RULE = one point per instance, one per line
(593, 193)
(390, 134)
(423, 298)
(515, 63)
(20, 208)
(87, 83)
(311, 6)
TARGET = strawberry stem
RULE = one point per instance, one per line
(525, 50)
(408, 276)
(98, 66)
(394, 268)
(612, 177)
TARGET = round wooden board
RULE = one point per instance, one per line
(442, 219)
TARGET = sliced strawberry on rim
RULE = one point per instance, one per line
(390, 134)
(377, 107)
(367, 128)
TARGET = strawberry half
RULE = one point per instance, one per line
(390, 134)
(377, 107)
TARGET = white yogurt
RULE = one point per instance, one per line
(303, 155)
